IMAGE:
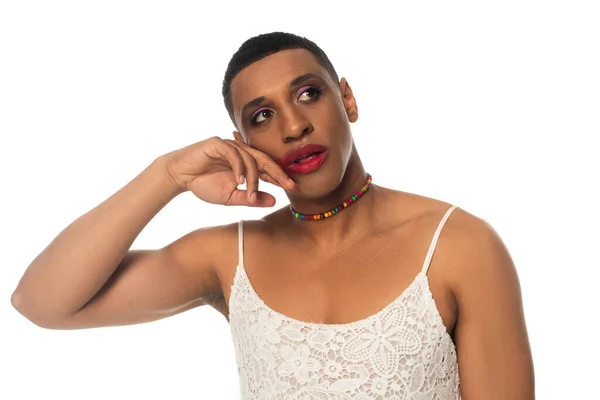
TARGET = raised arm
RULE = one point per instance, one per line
(89, 277)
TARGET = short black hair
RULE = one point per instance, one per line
(260, 46)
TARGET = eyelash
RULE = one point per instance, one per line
(317, 90)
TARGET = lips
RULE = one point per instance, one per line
(300, 154)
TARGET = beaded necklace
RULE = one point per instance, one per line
(336, 209)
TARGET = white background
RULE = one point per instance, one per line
(492, 106)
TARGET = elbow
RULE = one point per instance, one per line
(17, 301)
(37, 317)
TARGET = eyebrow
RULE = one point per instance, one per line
(296, 81)
(303, 78)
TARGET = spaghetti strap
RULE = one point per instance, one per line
(241, 243)
(435, 239)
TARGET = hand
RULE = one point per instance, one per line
(213, 168)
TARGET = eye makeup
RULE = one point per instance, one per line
(306, 94)
(260, 113)
(316, 90)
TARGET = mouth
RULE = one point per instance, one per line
(307, 157)
(304, 159)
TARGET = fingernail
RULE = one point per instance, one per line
(253, 198)
(242, 179)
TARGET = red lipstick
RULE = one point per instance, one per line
(304, 159)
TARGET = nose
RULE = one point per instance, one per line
(294, 124)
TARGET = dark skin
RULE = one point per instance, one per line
(296, 116)
(346, 268)
(333, 271)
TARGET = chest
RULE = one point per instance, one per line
(339, 285)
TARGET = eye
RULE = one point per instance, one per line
(261, 116)
(309, 93)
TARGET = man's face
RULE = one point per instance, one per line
(287, 100)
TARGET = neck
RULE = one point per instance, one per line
(337, 209)
(346, 224)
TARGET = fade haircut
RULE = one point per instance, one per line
(259, 47)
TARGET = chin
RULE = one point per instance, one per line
(318, 184)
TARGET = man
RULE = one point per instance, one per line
(353, 291)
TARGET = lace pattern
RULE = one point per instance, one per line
(402, 352)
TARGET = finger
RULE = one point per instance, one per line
(269, 166)
(267, 178)
(251, 173)
(232, 155)
(240, 198)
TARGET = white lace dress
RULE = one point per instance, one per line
(402, 352)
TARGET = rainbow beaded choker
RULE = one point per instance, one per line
(336, 209)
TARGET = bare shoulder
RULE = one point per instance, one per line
(219, 246)
(462, 229)
(477, 254)
(469, 249)
(215, 244)
(490, 334)
(413, 208)
(269, 225)
(203, 241)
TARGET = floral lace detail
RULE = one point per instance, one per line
(402, 352)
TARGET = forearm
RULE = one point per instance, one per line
(80, 260)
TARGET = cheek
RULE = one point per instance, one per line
(338, 120)
(263, 143)
(259, 138)
(334, 115)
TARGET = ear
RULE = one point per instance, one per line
(349, 100)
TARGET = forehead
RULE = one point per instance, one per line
(272, 73)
